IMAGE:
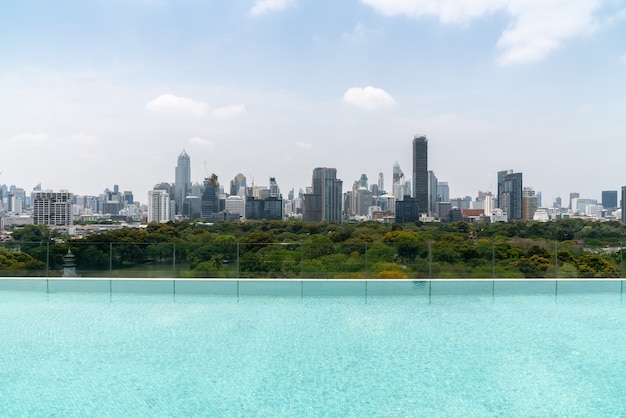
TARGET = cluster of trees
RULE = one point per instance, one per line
(568, 248)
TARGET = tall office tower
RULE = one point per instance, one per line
(52, 208)
(274, 190)
(530, 203)
(182, 183)
(432, 192)
(363, 181)
(510, 194)
(557, 203)
(324, 201)
(236, 184)
(381, 183)
(210, 202)
(159, 206)
(397, 172)
(609, 199)
(623, 204)
(572, 196)
(443, 191)
(420, 172)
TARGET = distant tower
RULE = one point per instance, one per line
(363, 181)
(381, 182)
(420, 172)
(210, 197)
(572, 196)
(324, 201)
(397, 173)
(510, 194)
(623, 204)
(237, 183)
(182, 184)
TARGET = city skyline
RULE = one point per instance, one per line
(97, 94)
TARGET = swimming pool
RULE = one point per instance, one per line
(311, 348)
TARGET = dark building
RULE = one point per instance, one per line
(420, 172)
(510, 194)
(407, 210)
(623, 204)
(324, 201)
(609, 199)
(210, 197)
(270, 208)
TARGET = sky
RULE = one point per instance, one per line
(96, 93)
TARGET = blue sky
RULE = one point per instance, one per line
(96, 93)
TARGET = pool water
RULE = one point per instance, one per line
(75, 354)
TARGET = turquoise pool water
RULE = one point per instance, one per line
(312, 349)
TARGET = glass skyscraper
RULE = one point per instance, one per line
(420, 172)
(182, 183)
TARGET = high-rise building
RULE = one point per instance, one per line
(381, 183)
(182, 183)
(210, 197)
(530, 203)
(443, 191)
(397, 173)
(324, 201)
(420, 172)
(623, 204)
(510, 194)
(159, 206)
(572, 196)
(236, 184)
(609, 199)
(52, 208)
(432, 192)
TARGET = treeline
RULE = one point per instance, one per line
(567, 248)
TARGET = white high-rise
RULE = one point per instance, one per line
(159, 206)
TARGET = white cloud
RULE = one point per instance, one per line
(196, 140)
(228, 111)
(536, 29)
(29, 139)
(358, 33)
(171, 105)
(540, 28)
(266, 6)
(83, 138)
(304, 145)
(369, 98)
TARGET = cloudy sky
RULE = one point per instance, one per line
(102, 92)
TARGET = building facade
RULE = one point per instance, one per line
(420, 173)
(210, 202)
(182, 183)
(52, 208)
(510, 194)
(324, 202)
(159, 206)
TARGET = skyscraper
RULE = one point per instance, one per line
(236, 184)
(622, 204)
(609, 199)
(324, 201)
(182, 183)
(210, 197)
(510, 194)
(420, 172)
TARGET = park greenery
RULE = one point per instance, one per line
(293, 249)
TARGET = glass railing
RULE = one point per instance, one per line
(412, 260)
(182, 290)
